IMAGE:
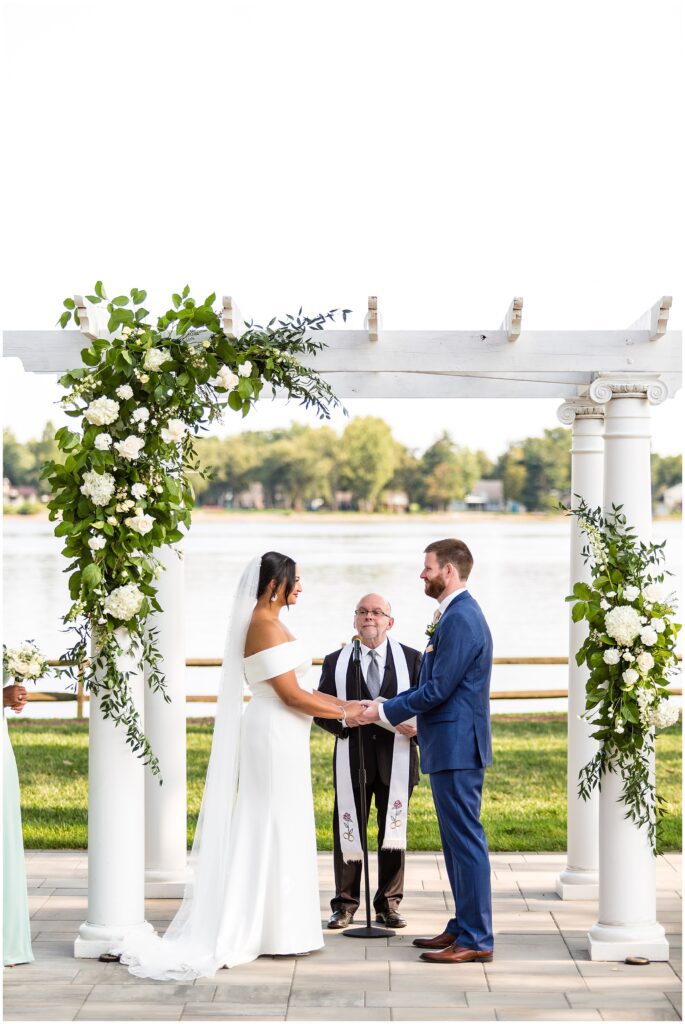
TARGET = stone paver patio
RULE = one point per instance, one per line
(541, 969)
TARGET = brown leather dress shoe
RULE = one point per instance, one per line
(439, 942)
(455, 954)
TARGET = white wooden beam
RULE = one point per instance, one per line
(232, 320)
(372, 319)
(512, 321)
(654, 319)
(89, 321)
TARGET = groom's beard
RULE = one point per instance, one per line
(435, 587)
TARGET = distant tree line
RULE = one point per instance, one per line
(301, 467)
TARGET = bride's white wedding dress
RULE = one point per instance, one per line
(256, 887)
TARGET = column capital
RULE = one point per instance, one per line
(607, 386)
(579, 408)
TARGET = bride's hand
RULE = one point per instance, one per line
(354, 709)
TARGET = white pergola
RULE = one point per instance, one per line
(606, 381)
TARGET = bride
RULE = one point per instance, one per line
(255, 886)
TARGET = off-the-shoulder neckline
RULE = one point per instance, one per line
(265, 649)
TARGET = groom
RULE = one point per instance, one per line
(452, 705)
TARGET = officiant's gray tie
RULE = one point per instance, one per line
(373, 677)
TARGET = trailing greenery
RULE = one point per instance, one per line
(121, 490)
(524, 799)
(630, 654)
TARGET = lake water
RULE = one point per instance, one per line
(520, 578)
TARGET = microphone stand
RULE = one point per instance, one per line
(367, 931)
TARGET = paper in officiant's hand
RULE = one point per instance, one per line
(386, 725)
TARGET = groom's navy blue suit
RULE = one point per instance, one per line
(452, 707)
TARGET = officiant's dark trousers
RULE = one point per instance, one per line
(348, 874)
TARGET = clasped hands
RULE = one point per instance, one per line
(364, 712)
(14, 697)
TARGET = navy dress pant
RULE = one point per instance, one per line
(457, 796)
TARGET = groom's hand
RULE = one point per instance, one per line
(353, 713)
(371, 713)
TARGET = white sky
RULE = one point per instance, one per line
(445, 156)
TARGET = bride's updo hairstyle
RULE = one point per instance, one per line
(281, 569)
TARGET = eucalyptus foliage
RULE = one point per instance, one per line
(140, 399)
(630, 654)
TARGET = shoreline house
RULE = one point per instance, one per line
(486, 496)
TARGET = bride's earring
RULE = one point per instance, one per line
(273, 596)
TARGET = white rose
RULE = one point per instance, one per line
(143, 378)
(130, 448)
(173, 432)
(140, 415)
(622, 623)
(103, 442)
(99, 487)
(245, 369)
(141, 524)
(630, 676)
(124, 391)
(631, 593)
(645, 661)
(628, 656)
(123, 602)
(102, 411)
(225, 378)
(653, 592)
(139, 491)
(612, 656)
(154, 358)
(648, 636)
(97, 543)
(658, 625)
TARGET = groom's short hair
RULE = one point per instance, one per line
(454, 551)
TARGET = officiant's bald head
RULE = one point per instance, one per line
(373, 619)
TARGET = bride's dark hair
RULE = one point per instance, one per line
(281, 569)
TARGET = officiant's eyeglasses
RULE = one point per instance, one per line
(375, 612)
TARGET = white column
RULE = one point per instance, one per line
(627, 924)
(165, 727)
(580, 879)
(116, 837)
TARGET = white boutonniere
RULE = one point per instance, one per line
(430, 629)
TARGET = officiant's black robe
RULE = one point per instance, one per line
(378, 746)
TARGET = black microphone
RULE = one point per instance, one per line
(356, 648)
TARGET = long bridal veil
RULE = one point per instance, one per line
(188, 948)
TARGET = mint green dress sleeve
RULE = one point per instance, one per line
(16, 929)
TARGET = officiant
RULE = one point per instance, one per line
(390, 761)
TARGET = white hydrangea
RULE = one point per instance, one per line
(97, 543)
(124, 391)
(645, 662)
(173, 432)
(99, 487)
(648, 636)
(630, 676)
(612, 656)
(604, 605)
(141, 523)
(658, 625)
(102, 411)
(622, 623)
(130, 448)
(103, 442)
(123, 602)
(140, 415)
(154, 358)
(664, 714)
(245, 369)
(139, 491)
(225, 378)
(631, 593)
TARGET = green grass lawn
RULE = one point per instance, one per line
(524, 801)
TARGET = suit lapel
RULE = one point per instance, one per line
(389, 680)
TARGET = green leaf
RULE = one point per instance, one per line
(99, 290)
(89, 357)
(120, 300)
(91, 576)
(176, 299)
(235, 401)
(69, 304)
(186, 291)
(93, 298)
(578, 611)
(582, 590)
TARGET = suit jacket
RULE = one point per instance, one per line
(452, 701)
(378, 742)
